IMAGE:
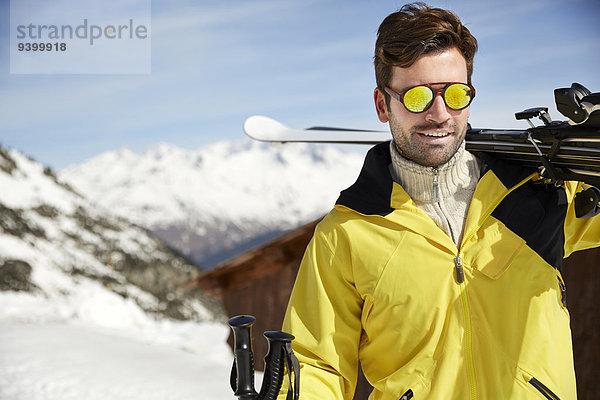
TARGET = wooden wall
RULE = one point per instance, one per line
(581, 273)
(266, 299)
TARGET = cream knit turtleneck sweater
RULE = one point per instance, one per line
(444, 192)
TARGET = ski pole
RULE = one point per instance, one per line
(279, 356)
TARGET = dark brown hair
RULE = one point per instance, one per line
(418, 29)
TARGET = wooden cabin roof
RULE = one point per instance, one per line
(283, 251)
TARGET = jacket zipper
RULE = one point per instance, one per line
(436, 197)
(543, 389)
(408, 395)
(460, 279)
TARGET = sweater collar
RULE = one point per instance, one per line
(430, 184)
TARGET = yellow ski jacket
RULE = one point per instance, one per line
(382, 284)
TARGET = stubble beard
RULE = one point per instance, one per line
(428, 155)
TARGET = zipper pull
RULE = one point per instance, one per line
(435, 185)
(563, 292)
(460, 274)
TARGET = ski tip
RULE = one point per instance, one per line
(262, 128)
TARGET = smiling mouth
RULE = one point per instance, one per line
(435, 134)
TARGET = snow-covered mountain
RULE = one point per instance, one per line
(222, 199)
(91, 306)
(59, 251)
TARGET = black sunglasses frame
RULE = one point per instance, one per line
(442, 92)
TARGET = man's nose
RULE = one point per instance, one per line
(438, 112)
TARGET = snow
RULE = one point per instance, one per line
(71, 361)
(99, 349)
(31, 187)
(78, 340)
(234, 181)
(77, 336)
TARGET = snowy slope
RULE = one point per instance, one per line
(47, 359)
(221, 199)
(55, 244)
(91, 305)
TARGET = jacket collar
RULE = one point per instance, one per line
(371, 193)
(375, 193)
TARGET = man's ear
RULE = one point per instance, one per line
(380, 105)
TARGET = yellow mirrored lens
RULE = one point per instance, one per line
(457, 96)
(418, 98)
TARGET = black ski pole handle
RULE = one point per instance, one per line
(279, 356)
(242, 372)
(274, 364)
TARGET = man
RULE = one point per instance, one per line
(438, 270)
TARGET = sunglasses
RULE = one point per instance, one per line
(419, 98)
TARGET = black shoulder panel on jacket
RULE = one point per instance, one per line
(536, 212)
(372, 191)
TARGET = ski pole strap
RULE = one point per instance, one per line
(293, 366)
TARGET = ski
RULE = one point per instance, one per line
(267, 129)
(578, 157)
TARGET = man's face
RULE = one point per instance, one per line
(429, 138)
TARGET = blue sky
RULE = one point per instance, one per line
(214, 63)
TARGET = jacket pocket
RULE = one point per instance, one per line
(543, 389)
(496, 250)
(407, 389)
(407, 396)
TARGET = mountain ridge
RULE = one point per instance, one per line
(220, 200)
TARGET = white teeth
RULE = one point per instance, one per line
(436, 134)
